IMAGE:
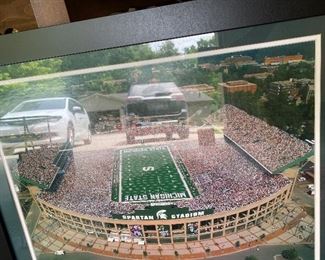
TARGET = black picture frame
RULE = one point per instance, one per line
(162, 23)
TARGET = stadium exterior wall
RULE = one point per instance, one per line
(175, 230)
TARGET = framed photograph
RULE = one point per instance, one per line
(193, 137)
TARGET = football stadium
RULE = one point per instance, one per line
(172, 191)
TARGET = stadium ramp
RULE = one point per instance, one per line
(62, 162)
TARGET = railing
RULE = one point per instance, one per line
(27, 135)
(61, 161)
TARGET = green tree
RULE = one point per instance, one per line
(12, 95)
(107, 57)
(238, 72)
(191, 49)
(290, 254)
(31, 68)
(297, 71)
(251, 257)
(167, 49)
(203, 44)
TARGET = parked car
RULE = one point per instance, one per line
(311, 189)
(301, 179)
(59, 252)
(311, 192)
(311, 186)
(40, 121)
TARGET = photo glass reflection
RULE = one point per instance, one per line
(164, 143)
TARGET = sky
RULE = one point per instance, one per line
(184, 42)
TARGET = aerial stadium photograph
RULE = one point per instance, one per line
(166, 150)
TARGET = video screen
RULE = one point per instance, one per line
(163, 143)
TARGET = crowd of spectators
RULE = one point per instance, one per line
(136, 231)
(163, 231)
(223, 175)
(192, 228)
(167, 129)
(37, 164)
(206, 136)
(86, 187)
(225, 179)
(272, 147)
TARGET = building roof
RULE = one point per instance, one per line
(101, 102)
(238, 60)
(260, 75)
(283, 59)
(191, 97)
(293, 82)
(237, 83)
(153, 89)
(198, 87)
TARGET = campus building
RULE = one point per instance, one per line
(283, 59)
(238, 60)
(297, 89)
(238, 86)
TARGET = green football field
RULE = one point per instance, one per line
(151, 174)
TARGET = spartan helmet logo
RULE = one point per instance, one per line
(161, 214)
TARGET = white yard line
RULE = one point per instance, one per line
(180, 174)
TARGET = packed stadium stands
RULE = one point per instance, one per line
(37, 165)
(224, 178)
(44, 166)
(269, 145)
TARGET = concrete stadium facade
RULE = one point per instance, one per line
(176, 230)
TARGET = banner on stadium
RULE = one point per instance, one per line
(163, 213)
